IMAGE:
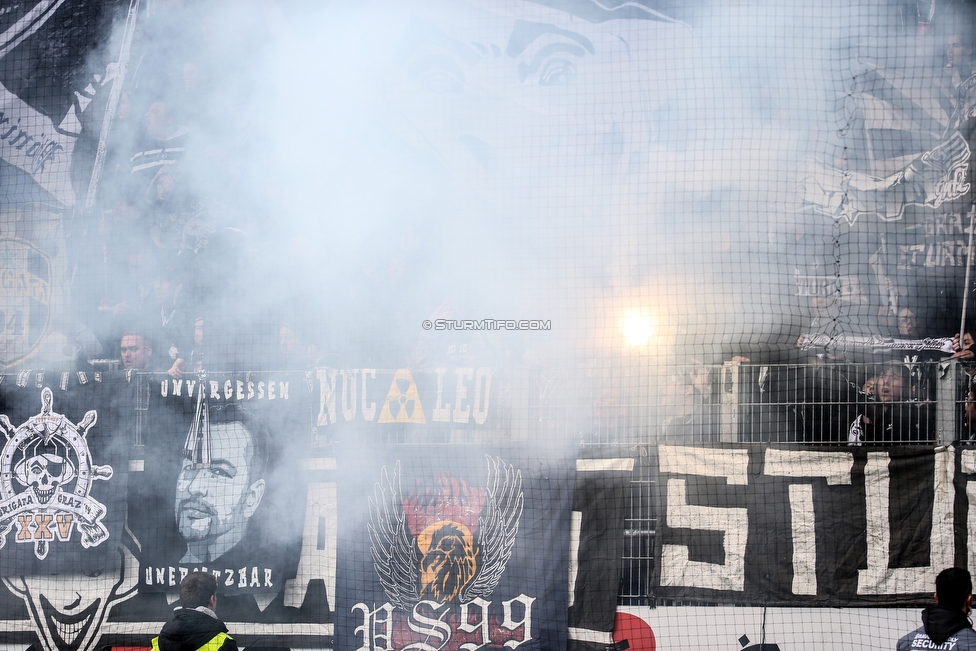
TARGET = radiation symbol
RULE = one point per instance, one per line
(402, 404)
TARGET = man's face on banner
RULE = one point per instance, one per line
(213, 504)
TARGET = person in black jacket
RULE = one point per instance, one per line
(946, 624)
(886, 416)
(195, 626)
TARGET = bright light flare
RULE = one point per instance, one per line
(637, 329)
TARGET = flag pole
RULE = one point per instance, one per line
(969, 266)
(115, 95)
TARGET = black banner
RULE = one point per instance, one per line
(64, 554)
(220, 481)
(601, 503)
(62, 473)
(838, 527)
(455, 546)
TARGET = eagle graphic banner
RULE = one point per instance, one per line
(453, 547)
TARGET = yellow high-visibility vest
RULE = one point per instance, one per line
(212, 645)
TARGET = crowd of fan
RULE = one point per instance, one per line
(159, 284)
(164, 281)
(174, 268)
(857, 397)
(859, 373)
(152, 229)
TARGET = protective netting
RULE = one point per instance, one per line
(484, 324)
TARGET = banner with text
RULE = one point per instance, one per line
(221, 490)
(62, 473)
(838, 527)
(453, 550)
(455, 397)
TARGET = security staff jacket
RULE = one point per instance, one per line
(194, 629)
(942, 629)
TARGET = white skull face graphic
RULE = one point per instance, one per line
(43, 473)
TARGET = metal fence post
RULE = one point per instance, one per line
(730, 402)
(945, 408)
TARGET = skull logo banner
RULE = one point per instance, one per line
(47, 478)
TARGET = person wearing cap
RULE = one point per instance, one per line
(195, 626)
(945, 624)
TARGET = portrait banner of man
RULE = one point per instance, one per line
(452, 545)
(220, 483)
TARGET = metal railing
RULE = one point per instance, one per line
(907, 403)
(892, 403)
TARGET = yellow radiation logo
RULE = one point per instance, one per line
(402, 404)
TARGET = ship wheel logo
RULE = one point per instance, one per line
(46, 475)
